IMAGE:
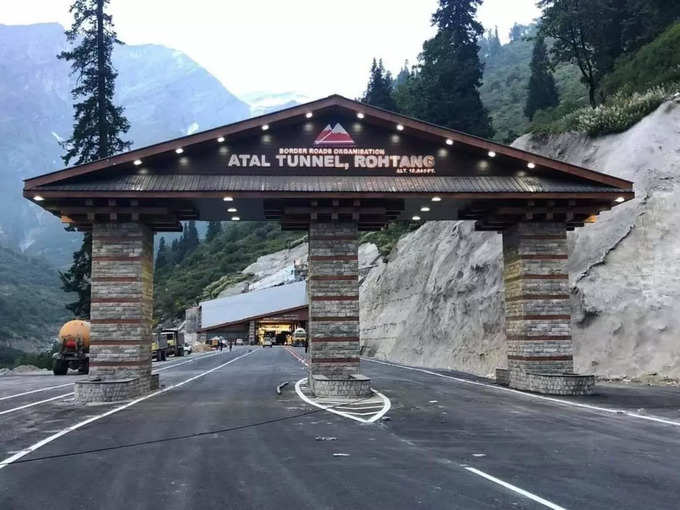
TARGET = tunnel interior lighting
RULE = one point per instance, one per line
(400, 127)
(416, 218)
(436, 199)
(309, 115)
(228, 199)
(449, 141)
(265, 127)
(220, 139)
(531, 164)
(360, 115)
(618, 200)
(231, 209)
(38, 198)
(179, 150)
(492, 154)
(424, 209)
(137, 162)
(235, 218)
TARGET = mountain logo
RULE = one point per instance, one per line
(334, 136)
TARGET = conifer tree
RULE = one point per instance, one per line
(451, 72)
(214, 229)
(379, 90)
(162, 255)
(542, 90)
(98, 122)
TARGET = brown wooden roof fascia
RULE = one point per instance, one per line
(334, 100)
(253, 318)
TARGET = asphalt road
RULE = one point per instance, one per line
(226, 440)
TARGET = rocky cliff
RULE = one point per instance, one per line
(438, 300)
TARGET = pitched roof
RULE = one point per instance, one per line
(371, 115)
(253, 305)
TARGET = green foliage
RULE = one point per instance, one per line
(656, 63)
(98, 122)
(542, 89)
(181, 284)
(214, 228)
(621, 112)
(379, 90)
(77, 279)
(387, 238)
(11, 358)
(31, 303)
(444, 89)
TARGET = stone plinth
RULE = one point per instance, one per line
(114, 390)
(346, 386)
(121, 310)
(554, 384)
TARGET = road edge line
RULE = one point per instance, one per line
(657, 419)
(9, 460)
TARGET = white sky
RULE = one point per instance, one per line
(302, 46)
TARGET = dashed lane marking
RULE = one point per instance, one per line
(514, 488)
(78, 425)
(533, 395)
(35, 391)
(7, 411)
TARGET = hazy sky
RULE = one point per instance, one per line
(311, 47)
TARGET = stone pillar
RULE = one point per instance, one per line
(537, 306)
(333, 291)
(251, 333)
(121, 313)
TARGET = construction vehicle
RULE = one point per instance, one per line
(74, 348)
(175, 340)
(299, 337)
(159, 347)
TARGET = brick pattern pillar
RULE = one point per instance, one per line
(251, 333)
(122, 301)
(537, 306)
(333, 289)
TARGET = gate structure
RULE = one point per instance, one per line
(334, 168)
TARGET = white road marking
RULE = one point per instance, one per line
(533, 395)
(386, 407)
(35, 391)
(516, 489)
(65, 431)
(7, 411)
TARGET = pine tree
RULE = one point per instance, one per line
(494, 43)
(451, 72)
(162, 255)
(542, 90)
(77, 278)
(214, 229)
(379, 90)
(98, 123)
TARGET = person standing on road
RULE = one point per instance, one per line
(231, 342)
(221, 344)
(306, 345)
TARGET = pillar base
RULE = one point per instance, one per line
(552, 384)
(354, 385)
(114, 390)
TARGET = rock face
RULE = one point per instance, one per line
(438, 301)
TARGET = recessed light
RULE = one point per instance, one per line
(449, 141)
(400, 127)
(231, 209)
(360, 115)
(618, 200)
(38, 198)
(531, 164)
(309, 115)
(436, 199)
(265, 127)
(228, 199)
(492, 154)
(137, 162)
(179, 150)
(416, 218)
(220, 139)
(425, 209)
(235, 218)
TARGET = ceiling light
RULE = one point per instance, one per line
(436, 199)
(449, 141)
(531, 164)
(309, 115)
(220, 139)
(38, 198)
(137, 162)
(618, 200)
(265, 127)
(228, 199)
(179, 150)
(492, 154)
(424, 209)
(416, 218)
(360, 115)
(231, 209)
(400, 127)
(235, 218)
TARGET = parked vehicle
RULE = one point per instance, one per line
(239, 341)
(175, 341)
(74, 348)
(299, 337)
(267, 343)
(187, 348)
(159, 347)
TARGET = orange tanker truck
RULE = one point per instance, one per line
(74, 348)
